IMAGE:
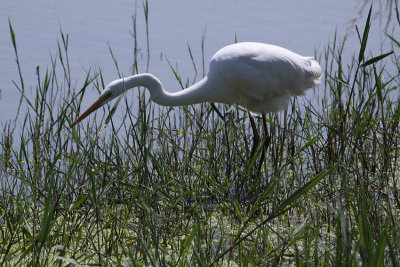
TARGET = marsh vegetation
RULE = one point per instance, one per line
(178, 186)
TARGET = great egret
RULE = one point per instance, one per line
(260, 77)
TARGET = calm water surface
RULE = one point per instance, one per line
(94, 25)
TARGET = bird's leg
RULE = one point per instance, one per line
(268, 141)
(256, 139)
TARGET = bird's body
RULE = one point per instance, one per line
(257, 76)
(262, 77)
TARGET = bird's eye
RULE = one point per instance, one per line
(106, 95)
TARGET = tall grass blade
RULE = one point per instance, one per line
(304, 189)
(376, 59)
(12, 35)
(393, 40)
(365, 36)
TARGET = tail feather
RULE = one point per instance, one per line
(314, 69)
(311, 76)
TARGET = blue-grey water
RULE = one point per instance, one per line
(94, 25)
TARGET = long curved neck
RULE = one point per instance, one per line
(197, 93)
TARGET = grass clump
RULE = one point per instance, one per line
(178, 186)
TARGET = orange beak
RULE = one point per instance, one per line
(98, 103)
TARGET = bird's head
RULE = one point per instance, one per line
(109, 93)
(118, 87)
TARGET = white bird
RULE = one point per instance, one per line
(260, 77)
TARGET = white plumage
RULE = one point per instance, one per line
(257, 76)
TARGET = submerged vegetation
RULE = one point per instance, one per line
(178, 186)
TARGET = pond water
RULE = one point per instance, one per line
(95, 25)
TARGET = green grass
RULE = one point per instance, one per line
(179, 187)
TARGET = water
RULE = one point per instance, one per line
(93, 26)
